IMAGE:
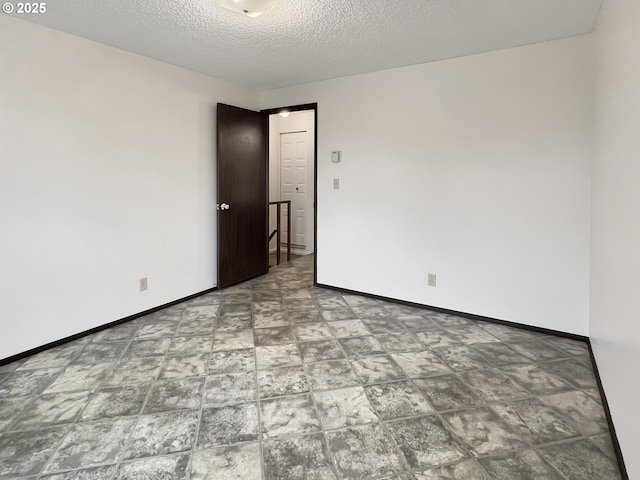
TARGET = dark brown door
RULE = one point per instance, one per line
(243, 247)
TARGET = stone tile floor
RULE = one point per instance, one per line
(277, 379)
(273, 260)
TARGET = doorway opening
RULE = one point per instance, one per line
(292, 181)
(244, 185)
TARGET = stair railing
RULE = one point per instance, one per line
(277, 230)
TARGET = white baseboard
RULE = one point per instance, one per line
(294, 251)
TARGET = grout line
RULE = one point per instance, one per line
(196, 433)
(332, 460)
(257, 395)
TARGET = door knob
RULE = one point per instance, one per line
(223, 206)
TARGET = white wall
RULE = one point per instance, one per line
(476, 169)
(615, 256)
(106, 176)
(302, 121)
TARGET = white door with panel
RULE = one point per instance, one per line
(293, 185)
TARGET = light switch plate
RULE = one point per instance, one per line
(336, 156)
(336, 184)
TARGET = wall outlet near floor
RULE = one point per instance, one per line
(431, 280)
(143, 284)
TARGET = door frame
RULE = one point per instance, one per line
(298, 108)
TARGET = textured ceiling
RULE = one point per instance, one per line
(300, 41)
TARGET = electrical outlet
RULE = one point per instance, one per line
(431, 280)
(336, 184)
(143, 284)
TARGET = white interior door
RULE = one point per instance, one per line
(293, 185)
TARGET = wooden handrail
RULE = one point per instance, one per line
(278, 214)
